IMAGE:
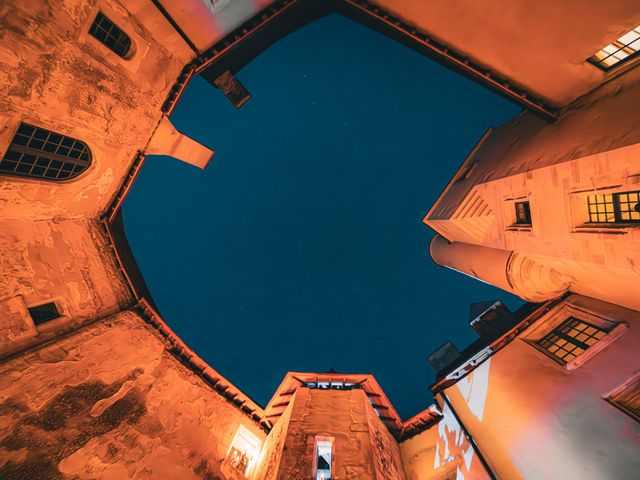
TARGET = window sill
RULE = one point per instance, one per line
(519, 228)
(607, 229)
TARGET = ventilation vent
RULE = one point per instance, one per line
(473, 206)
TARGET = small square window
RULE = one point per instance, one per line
(627, 398)
(523, 213)
(43, 313)
(622, 207)
(623, 49)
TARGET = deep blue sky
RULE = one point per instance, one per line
(301, 246)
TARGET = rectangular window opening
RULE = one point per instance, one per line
(244, 451)
(43, 313)
(323, 458)
(523, 213)
(570, 339)
(622, 207)
(621, 50)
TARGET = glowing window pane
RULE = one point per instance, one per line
(244, 450)
(623, 49)
(623, 207)
(571, 338)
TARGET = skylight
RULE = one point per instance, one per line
(623, 49)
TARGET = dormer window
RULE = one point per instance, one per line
(38, 153)
(622, 50)
(110, 35)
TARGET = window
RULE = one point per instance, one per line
(244, 450)
(110, 35)
(38, 153)
(627, 398)
(523, 213)
(623, 49)
(571, 338)
(621, 207)
(43, 313)
(323, 457)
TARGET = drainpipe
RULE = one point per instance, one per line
(175, 26)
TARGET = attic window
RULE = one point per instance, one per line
(38, 153)
(323, 458)
(43, 313)
(622, 50)
(109, 34)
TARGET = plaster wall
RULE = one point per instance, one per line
(274, 446)
(344, 415)
(66, 261)
(505, 37)
(53, 74)
(110, 402)
(534, 418)
(442, 452)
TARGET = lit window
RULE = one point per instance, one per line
(38, 153)
(621, 207)
(244, 450)
(523, 213)
(44, 313)
(623, 49)
(110, 35)
(570, 339)
(323, 457)
(627, 398)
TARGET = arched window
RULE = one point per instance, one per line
(38, 153)
(110, 35)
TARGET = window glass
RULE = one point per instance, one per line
(623, 207)
(43, 313)
(623, 49)
(244, 450)
(110, 35)
(38, 153)
(324, 453)
(571, 338)
(523, 213)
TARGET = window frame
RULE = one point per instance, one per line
(561, 335)
(23, 145)
(97, 24)
(632, 383)
(602, 199)
(615, 328)
(526, 210)
(618, 45)
(44, 317)
(316, 443)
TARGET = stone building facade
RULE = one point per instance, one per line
(94, 384)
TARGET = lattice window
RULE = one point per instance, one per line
(570, 339)
(38, 153)
(110, 35)
(623, 49)
(623, 207)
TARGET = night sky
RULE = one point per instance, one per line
(302, 247)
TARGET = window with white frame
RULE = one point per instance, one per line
(244, 451)
(323, 458)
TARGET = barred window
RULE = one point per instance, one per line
(570, 339)
(38, 153)
(110, 35)
(623, 207)
(523, 213)
(622, 50)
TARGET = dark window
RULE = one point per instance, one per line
(44, 313)
(627, 398)
(323, 454)
(523, 213)
(111, 35)
(570, 339)
(621, 207)
(623, 49)
(38, 153)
